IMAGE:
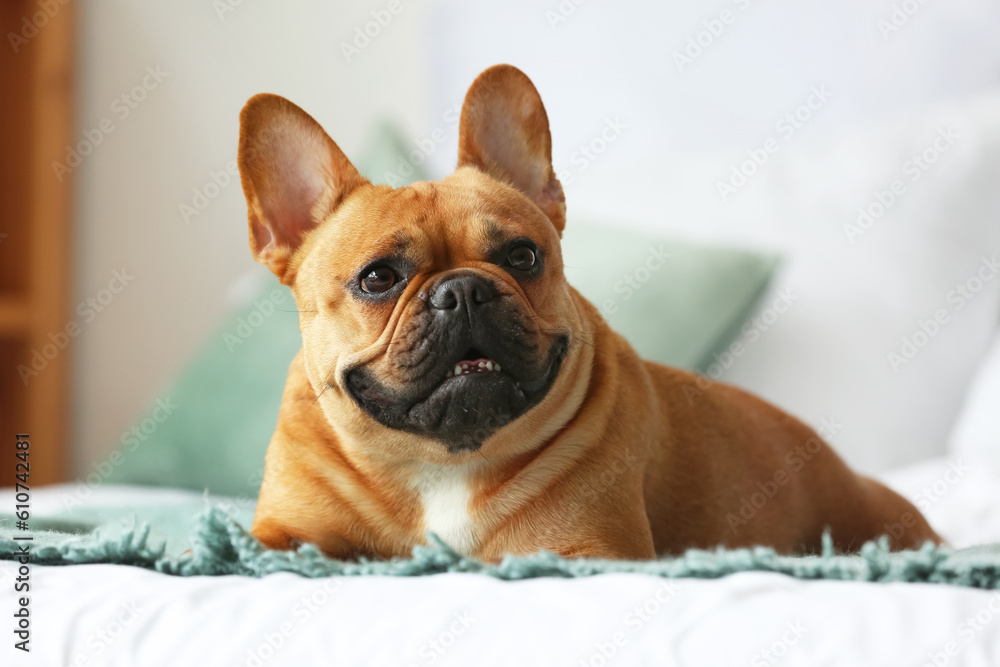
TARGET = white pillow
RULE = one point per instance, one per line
(660, 140)
(976, 435)
(827, 357)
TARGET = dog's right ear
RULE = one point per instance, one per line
(294, 176)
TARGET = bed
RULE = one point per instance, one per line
(113, 614)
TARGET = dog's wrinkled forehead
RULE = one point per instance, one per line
(436, 226)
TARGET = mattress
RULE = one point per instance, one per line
(119, 615)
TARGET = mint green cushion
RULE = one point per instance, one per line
(677, 309)
(226, 407)
(227, 398)
(675, 302)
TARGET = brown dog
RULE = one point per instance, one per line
(450, 380)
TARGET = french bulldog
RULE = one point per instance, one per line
(451, 380)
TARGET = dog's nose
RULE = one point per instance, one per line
(467, 290)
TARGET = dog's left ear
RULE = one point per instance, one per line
(504, 132)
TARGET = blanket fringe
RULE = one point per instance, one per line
(221, 546)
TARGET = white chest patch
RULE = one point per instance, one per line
(445, 494)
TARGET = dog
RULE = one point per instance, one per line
(451, 380)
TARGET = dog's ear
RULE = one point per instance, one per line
(294, 176)
(504, 132)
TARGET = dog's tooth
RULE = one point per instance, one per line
(496, 367)
(457, 370)
(489, 365)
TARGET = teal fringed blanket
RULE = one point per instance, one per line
(220, 545)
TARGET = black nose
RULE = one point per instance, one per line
(468, 291)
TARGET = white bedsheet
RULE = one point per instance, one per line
(116, 615)
(458, 619)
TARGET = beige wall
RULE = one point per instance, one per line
(130, 187)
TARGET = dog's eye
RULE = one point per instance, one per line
(380, 279)
(522, 257)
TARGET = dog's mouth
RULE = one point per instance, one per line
(475, 396)
(473, 361)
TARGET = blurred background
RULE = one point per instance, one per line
(858, 143)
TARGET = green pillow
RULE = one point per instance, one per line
(677, 303)
(211, 428)
(213, 424)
